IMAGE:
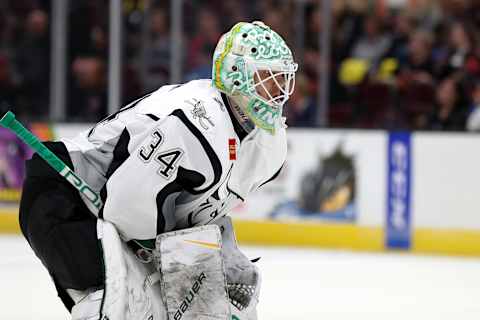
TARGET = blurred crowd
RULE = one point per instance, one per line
(410, 66)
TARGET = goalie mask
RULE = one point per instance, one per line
(254, 64)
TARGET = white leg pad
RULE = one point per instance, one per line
(132, 289)
(115, 293)
(192, 274)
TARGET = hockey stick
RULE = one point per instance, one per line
(9, 122)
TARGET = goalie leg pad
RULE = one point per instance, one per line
(131, 290)
(115, 294)
(192, 274)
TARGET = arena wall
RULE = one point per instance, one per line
(359, 190)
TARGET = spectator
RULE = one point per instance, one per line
(347, 22)
(473, 120)
(157, 53)
(205, 39)
(311, 56)
(403, 27)
(275, 18)
(455, 9)
(374, 43)
(459, 55)
(314, 27)
(430, 40)
(417, 65)
(88, 99)
(99, 41)
(87, 35)
(204, 68)
(33, 63)
(7, 32)
(8, 88)
(301, 110)
(233, 10)
(449, 113)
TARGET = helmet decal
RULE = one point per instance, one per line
(218, 63)
(239, 77)
(266, 45)
(246, 59)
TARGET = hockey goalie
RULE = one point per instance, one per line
(169, 167)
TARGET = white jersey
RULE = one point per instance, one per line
(174, 159)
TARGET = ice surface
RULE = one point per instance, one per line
(298, 284)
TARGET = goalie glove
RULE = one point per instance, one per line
(243, 277)
(240, 294)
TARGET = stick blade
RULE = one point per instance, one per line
(7, 119)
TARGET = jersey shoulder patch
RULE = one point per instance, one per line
(198, 99)
(203, 106)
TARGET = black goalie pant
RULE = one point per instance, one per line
(59, 227)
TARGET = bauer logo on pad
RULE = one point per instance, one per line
(192, 293)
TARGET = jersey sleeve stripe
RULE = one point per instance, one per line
(209, 151)
(120, 154)
(169, 189)
(115, 115)
(152, 116)
(273, 177)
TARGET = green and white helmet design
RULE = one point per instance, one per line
(253, 62)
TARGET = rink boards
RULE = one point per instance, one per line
(325, 235)
(361, 190)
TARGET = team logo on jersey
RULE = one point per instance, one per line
(200, 113)
(220, 202)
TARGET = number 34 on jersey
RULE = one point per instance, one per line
(167, 160)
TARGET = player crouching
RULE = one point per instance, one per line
(169, 167)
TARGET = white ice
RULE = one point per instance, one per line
(298, 284)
